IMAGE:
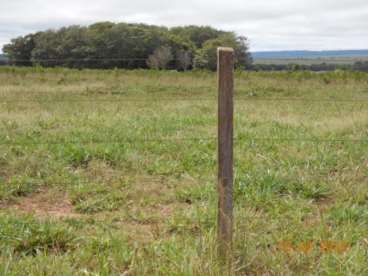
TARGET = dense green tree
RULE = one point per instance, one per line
(66, 47)
(20, 50)
(206, 57)
(183, 51)
(123, 45)
(197, 34)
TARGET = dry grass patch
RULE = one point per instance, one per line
(46, 203)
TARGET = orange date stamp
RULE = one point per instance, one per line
(307, 247)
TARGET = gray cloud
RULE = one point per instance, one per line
(270, 25)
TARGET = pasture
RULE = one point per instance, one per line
(312, 61)
(113, 172)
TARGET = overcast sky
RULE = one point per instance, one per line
(270, 25)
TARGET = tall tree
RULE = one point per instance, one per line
(20, 50)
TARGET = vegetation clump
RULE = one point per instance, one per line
(123, 45)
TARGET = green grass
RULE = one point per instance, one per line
(95, 178)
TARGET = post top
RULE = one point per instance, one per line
(225, 49)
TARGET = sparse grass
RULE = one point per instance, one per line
(84, 143)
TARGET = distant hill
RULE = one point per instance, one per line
(310, 54)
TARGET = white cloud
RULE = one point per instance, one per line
(270, 25)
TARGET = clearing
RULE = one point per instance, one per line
(114, 172)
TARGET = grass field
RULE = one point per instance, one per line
(103, 173)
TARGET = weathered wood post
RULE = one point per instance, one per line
(225, 69)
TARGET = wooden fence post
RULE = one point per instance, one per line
(225, 69)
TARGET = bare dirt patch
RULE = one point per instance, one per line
(46, 204)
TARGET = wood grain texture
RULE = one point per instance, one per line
(225, 149)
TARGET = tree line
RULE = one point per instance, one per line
(318, 67)
(130, 46)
